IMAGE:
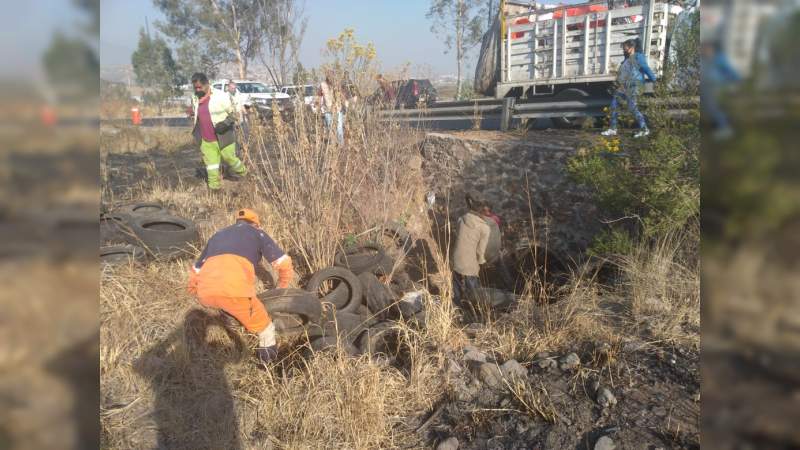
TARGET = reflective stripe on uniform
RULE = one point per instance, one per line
(212, 167)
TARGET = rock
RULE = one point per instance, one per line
(473, 354)
(454, 369)
(548, 363)
(466, 392)
(569, 362)
(660, 411)
(605, 398)
(604, 443)
(513, 370)
(491, 375)
(450, 443)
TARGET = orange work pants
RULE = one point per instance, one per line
(247, 310)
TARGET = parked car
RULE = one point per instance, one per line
(250, 92)
(415, 93)
(306, 92)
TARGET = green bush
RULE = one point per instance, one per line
(647, 188)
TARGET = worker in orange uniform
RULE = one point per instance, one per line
(224, 276)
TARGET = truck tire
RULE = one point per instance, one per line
(399, 236)
(142, 209)
(570, 122)
(292, 301)
(115, 255)
(114, 229)
(165, 235)
(346, 296)
(286, 321)
(361, 258)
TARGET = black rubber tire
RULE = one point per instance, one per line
(384, 267)
(292, 301)
(347, 325)
(402, 239)
(570, 122)
(165, 235)
(346, 297)
(286, 321)
(114, 229)
(142, 209)
(116, 255)
(328, 343)
(374, 339)
(378, 296)
(358, 260)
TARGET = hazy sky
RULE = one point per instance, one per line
(398, 28)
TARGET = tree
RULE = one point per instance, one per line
(285, 26)
(222, 31)
(72, 67)
(459, 23)
(154, 67)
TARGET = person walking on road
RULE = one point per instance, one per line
(630, 79)
(470, 249)
(214, 120)
(331, 103)
(716, 73)
(224, 276)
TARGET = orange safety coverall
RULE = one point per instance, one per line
(224, 275)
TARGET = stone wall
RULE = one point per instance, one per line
(522, 177)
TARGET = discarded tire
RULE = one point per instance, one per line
(330, 343)
(379, 339)
(115, 255)
(359, 259)
(346, 296)
(292, 301)
(398, 234)
(286, 321)
(114, 229)
(379, 298)
(345, 325)
(165, 235)
(142, 209)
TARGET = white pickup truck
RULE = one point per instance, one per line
(250, 92)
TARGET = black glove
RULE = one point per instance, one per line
(267, 355)
(224, 126)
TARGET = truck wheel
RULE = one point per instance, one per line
(166, 236)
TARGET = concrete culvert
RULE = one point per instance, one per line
(337, 286)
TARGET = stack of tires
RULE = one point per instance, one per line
(140, 231)
(355, 304)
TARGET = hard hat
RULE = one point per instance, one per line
(248, 215)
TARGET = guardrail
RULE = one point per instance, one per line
(507, 109)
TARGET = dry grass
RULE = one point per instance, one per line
(170, 373)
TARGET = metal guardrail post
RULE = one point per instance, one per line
(507, 113)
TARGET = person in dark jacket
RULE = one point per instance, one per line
(630, 78)
(214, 120)
(224, 276)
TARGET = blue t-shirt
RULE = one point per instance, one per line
(244, 240)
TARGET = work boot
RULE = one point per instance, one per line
(610, 132)
(642, 133)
